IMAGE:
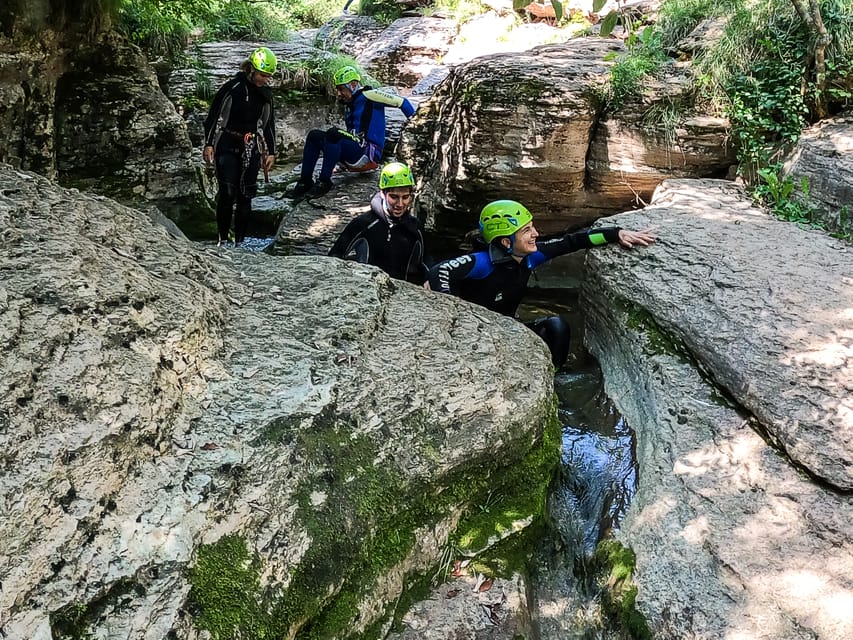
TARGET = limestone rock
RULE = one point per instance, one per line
(822, 157)
(349, 34)
(736, 378)
(408, 50)
(528, 126)
(222, 442)
(117, 135)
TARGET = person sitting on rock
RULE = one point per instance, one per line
(360, 147)
(496, 277)
(387, 236)
(239, 136)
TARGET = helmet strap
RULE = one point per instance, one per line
(511, 246)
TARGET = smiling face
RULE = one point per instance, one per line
(524, 241)
(397, 200)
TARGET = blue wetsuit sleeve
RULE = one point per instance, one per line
(444, 275)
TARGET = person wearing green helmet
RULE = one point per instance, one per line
(239, 140)
(387, 236)
(497, 277)
(359, 147)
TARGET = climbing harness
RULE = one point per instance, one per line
(249, 144)
(264, 151)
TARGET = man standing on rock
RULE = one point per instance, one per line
(496, 278)
(360, 146)
(387, 236)
(239, 134)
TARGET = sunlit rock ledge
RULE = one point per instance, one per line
(217, 442)
(727, 347)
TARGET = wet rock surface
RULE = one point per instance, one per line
(736, 378)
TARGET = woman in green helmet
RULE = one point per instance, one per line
(496, 278)
(239, 140)
(387, 236)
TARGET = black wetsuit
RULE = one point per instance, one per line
(239, 108)
(395, 245)
(495, 280)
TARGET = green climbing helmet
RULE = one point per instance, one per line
(345, 75)
(395, 174)
(263, 60)
(503, 218)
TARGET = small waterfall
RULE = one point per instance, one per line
(592, 493)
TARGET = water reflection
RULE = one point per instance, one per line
(598, 474)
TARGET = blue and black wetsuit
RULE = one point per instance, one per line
(495, 280)
(239, 109)
(364, 137)
(395, 245)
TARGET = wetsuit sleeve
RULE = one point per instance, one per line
(584, 239)
(354, 229)
(269, 130)
(390, 99)
(444, 275)
(213, 113)
(418, 272)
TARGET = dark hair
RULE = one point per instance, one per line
(247, 67)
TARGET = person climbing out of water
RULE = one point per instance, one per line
(496, 277)
(360, 146)
(239, 139)
(387, 236)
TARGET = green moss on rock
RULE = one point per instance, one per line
(226, 591)
(615, 568)
(361, 514)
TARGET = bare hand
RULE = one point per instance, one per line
(631, 239)
(426, 286)
(269, 161)
(207, 154)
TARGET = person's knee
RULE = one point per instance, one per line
(556, 333)
(227, 193)
(315, 137)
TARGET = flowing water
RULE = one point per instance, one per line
(593, 489)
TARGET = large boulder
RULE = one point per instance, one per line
(529, 126)
(736, 378)
(229, 444)
(822, 159)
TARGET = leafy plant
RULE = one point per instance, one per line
(767, 110)
(643, 58)
(779, 194)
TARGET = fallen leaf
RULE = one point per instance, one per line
(490, 615)
(457, 569)
(209, 446)
(452, 593)
(486, 584)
